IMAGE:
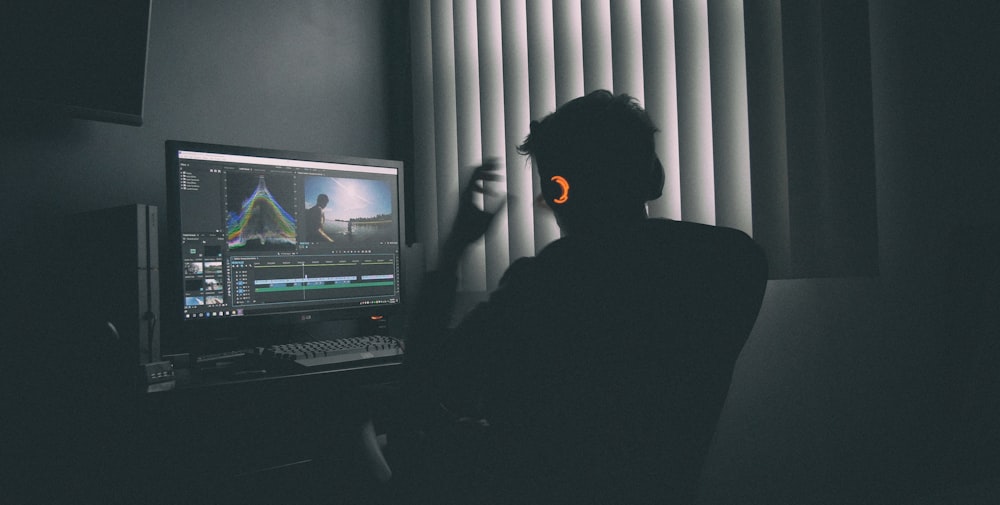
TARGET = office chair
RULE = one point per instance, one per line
(571, 417)
(643, 444)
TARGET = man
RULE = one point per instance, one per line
(601, 364)
(314, 219)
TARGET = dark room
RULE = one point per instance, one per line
(362, 251)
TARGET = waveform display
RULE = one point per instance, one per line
(260, 220)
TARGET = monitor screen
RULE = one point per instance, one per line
(257, 234)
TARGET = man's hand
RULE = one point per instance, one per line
(471, 222)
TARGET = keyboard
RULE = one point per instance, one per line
(322, 353)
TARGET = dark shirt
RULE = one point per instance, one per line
(603, 356)
(313, 221)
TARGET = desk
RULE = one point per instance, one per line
(286, 437)
(254, 372)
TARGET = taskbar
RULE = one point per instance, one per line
(240, 312)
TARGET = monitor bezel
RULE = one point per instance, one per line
(199, 336)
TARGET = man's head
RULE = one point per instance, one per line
(322, 200)
(596, 158)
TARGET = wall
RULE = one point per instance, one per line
(848, 390)
(307, 75)
(311, 75)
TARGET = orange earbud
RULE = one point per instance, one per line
(564, 186)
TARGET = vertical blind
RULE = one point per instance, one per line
(483, 69)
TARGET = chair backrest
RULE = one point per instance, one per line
(637, 375)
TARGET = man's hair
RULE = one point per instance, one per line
(602, 140)
(322, 200)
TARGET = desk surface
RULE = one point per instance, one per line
(249, 371)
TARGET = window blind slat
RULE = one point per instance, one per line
(517, 112)
(769, 158)
(567, 28)
(730, 124)
(425, 203)
(694, 111)
(492, 108)
(597, 63)
(626, 48)
(660, 75)
(445, 112)
(542, 69)
(469, 140)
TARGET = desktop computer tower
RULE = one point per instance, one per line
(118, 280)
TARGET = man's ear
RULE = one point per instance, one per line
(556, 190)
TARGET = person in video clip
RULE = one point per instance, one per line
(314, 221)
(597, 369)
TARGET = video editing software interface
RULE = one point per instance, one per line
(272, 235)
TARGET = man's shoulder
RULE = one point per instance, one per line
(522, 268)
(708, 248)
(662, 243)
(652, 233)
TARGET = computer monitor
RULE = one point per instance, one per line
(260, 241)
